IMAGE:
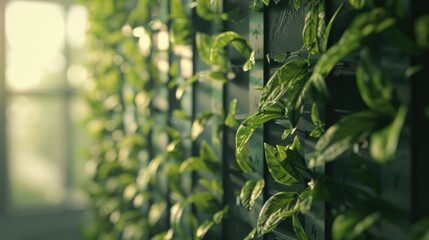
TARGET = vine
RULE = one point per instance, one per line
(141, 170)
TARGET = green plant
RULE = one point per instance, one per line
(143, 164)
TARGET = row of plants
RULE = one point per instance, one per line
(357, 209)
(145, 168)
(153, 174)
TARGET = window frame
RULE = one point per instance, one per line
(46, 223)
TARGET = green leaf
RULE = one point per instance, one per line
(181, 31)
(358, 4)
(266, 2)
(296, 4)
(204, 43)
(384, 142)
(217, 76)
(248, 126)
(199, 164)
(420, 230)
(204, 228)
(298, 229)
(289, 79)
(161, 236)
(286, 133)
(421, 31)
(229, 37)
(363, 26)
(315, 119)
(205, 183)
(180, 114)
(182, 87)
(296, 144)
(310, 30)
(156, 211)
(276, 209)
(341, 136)
(205, 201)
(207, 153)
(285, 165)
(250, 192)
(219, 215)
(198, 124)
(230, 118)
(250, 63)
(306, 200)
(317, 132)
(373, 85)
(328, 28)
(209, 11)
(173, 145)
(351, 224)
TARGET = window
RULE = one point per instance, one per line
(43, 139)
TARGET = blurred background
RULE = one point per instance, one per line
(42, 138)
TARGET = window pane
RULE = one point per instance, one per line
(36, 141)
(79, 111)
(35, 35)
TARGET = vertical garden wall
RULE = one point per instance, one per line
(258, 120)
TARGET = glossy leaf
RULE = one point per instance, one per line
(233, 38)
(230, 118)
(250, 192)
(341, 136)
(204, 43)
(310, 30)
(198, 125)
(289, 78)
(250, 63)
(351, 224)
(276, 209)
(328, 28)
(315, 119)
(363, 26)
(296, 144)
(317, 132)
(204, 228)
(285, 165)
(182, 87)
(286, 134)
(298, 229)
(248, 126)
(373, 85)
(384, 141)
(221, 214)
